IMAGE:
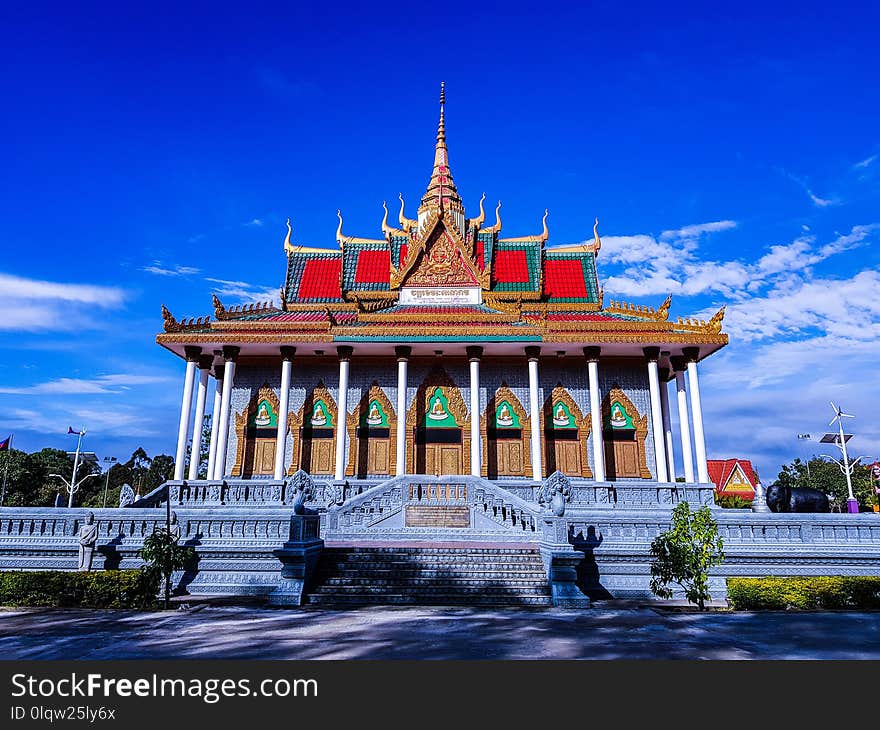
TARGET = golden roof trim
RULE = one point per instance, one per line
(660, 314)
(342, 239)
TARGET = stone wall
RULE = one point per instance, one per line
(235, 545)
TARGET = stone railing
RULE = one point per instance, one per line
(624, 494)
(385, 504)
(235, 493)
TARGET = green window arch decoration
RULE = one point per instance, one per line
(375, 416)
(320, 416)
(437, 414)
(618, 418)
(264, 416)
(505, 416)
(561, 417)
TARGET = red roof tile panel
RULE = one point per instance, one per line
(564, 278)
(373, 267)
(320, 279)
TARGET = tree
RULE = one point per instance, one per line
(162, 554)
(732, 501)
(204, 451)
(685, 552)
(825, 475)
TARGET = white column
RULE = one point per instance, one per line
(532, 353)
(287, 354)
(215, 420)
(192, 356)
(403, 352)
(474, 354)
(667, 424)
(230, 354)
(684, 424)
(697, 413)
(195, 453)
(651, 353)
(592, 355)
(342, 411)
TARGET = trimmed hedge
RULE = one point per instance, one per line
(749, 594)
(66, 589)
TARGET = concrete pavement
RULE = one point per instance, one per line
(206, 631)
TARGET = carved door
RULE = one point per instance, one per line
(378, 453)
(259, 457)
(510, 457)
(443, 459)
(318, 455)
(621, 457)
(568, 457)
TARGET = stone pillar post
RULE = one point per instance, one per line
(692, 354)
(533, 353)
(215, 419)
(345, 353)
(195, 456)
(192, 358)
(403, 352)
(230, 355)
(667, 422)
(651, 354)
(679, 365)
(592, 355)
(287, 354)
(474, 353)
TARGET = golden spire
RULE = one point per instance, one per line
(386, 229)
(441, 190)
(497, 227)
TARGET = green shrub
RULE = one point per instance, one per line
(821, 592)
(732, 501)
(65, 589)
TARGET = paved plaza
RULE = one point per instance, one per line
(207, 631)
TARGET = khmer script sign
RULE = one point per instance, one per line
(439, 295)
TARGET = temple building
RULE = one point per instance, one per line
(443, 347)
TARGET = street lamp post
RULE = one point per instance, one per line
(839, 440)
(82, 432)
(72, 488)
(110, 460)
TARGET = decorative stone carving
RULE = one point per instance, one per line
(759, 503)
(88, 538)
(126, 495)
(554, 493)
(174, 528)
(299, 489)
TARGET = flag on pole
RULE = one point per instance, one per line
(4, 445)
(70, 430)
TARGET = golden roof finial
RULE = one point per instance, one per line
(441, 128)
(497, 227)
(478, 221)
(405, 223)
(597, 242)
(386, 229)
(339, 237)
(545, 234)
(288, 246)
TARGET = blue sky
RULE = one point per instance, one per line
(152, 155)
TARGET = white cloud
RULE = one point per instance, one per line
(698, 229)
(818, 201)
(35, 305)
(174, 270)
(115, 383)
(255, 222)
(244, 292)
(867, 162)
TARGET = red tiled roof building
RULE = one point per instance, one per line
(445, 347)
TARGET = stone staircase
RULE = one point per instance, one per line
(481, 576)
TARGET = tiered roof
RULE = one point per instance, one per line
(526, 289)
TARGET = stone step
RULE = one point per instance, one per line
(435, 600)
(419, 582)
(447, 590)
(413, 572)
